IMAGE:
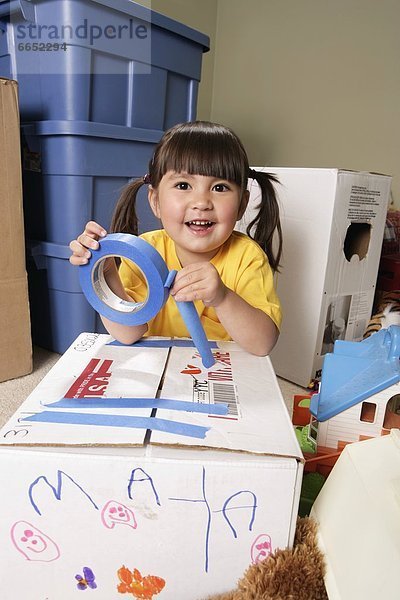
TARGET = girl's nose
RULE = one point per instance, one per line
(202, 201)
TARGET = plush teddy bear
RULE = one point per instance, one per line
(295, 574)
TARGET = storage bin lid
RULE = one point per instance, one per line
(27, 7)
(88, 128)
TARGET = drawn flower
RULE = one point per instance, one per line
(143, 588)
(87, 580)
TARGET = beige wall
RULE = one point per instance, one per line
(201, 15)
(311, 82)
(303, 82)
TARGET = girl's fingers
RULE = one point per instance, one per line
(92, 233)
(88, 241)
(79, 250)
(188, 276)
(77, 260)
(80, 254)
(85, 242)
(93, 228)
(184, 283)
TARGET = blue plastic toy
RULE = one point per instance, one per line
(357, 370)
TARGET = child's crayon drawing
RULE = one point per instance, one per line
(87, 580)
(33, 543)
(261, 548)
(116, 513)
(132, 582)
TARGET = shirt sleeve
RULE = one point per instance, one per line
(133, 280)
(255, 284)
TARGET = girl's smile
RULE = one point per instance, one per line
(198, 212)
(200, 227)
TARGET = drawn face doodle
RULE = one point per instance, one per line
(33, 543)
(115, 513)
(261, 548)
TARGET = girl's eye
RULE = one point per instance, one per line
(221, 187)
(182, 185)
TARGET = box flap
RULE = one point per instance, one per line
(103, 393)
(90, 370)
(257, 419)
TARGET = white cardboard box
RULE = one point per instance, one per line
(358, 515)
(333, 222)
(143, 492)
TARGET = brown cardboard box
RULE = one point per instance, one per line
(15, 333)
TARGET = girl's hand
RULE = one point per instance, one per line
(199, 281)
(86, 241)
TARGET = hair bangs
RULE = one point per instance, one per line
(203, 150)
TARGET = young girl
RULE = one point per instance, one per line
(197, 187)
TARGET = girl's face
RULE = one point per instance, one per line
(198, 212)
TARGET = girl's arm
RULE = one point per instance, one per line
(248, 326)
(126, 334)
(86, 241)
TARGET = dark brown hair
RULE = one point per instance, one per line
(203, 148)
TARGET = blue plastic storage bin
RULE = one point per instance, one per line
(109, 61)
(74, 172)
(59, 310)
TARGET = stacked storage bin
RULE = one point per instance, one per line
(99, 82)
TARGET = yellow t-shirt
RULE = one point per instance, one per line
(242, 266)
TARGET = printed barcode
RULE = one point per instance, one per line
(225, 393)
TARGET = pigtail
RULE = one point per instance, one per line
(267, 222)
(124, 219)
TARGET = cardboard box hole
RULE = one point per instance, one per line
(357, 240)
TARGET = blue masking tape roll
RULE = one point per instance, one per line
(159, 280)
(104, 301)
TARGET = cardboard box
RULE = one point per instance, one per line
(15, 339)
(188, 498)
(333, 222)
(358, 515)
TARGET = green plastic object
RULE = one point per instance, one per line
(310, 488)
(303, 437)
(357, 370)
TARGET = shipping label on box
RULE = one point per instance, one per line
(333, 223)
(132, 470)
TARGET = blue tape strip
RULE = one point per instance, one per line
(170, 279)
(165, 403)
(152, 423)
(189, 314)
(167, 343)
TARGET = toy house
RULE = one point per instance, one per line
(359, 395)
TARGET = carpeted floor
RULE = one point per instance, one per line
(15, 391)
